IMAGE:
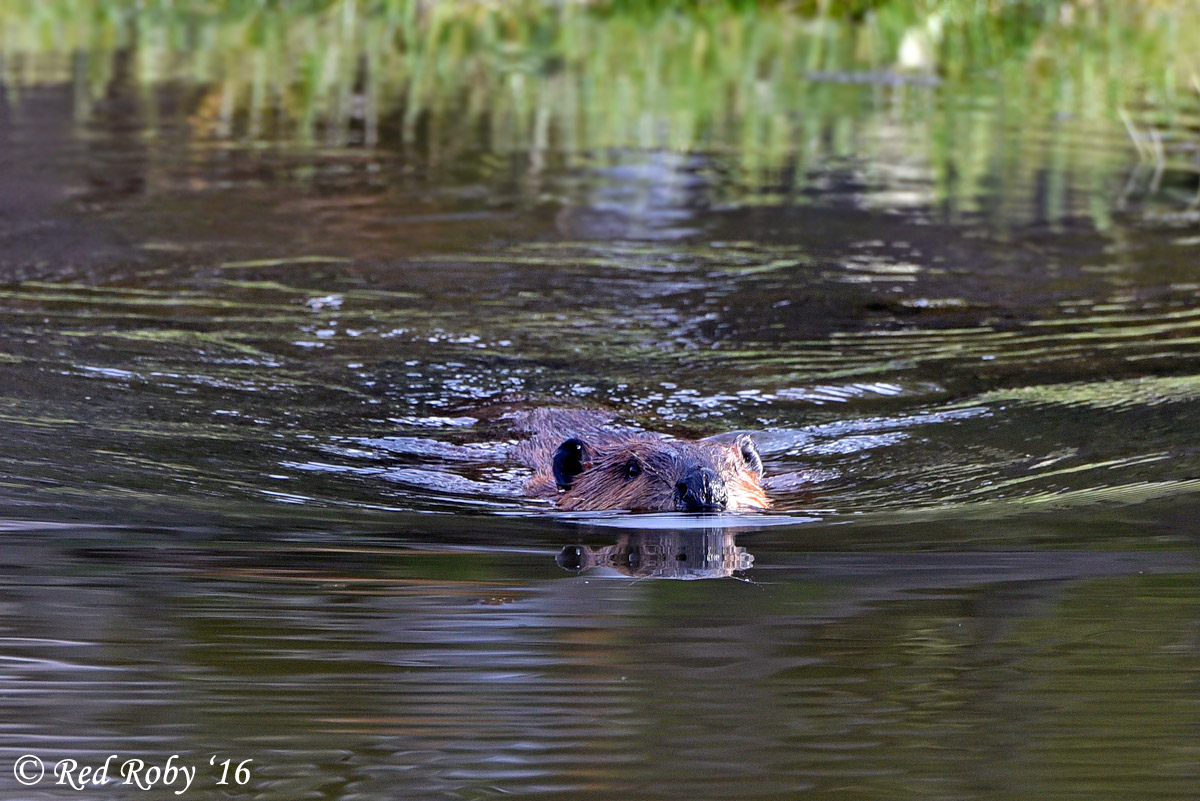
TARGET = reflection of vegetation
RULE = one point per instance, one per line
(763, 83)
(1049, 685)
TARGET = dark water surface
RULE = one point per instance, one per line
(256, 503)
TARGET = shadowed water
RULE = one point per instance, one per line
(258, 500)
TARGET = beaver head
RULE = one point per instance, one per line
(646, 474)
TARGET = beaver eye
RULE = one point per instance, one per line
(633, 469)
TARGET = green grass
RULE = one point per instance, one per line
(757, 82)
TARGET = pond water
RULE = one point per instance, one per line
(256, 502)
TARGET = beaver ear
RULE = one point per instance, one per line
(569, 460)
(750, 455)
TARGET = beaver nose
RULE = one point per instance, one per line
(700, 490)
(572, 557)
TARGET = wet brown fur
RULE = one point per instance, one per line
(604, 483)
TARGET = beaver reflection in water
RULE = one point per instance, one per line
(586, 464)
(689, 554)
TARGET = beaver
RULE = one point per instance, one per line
(587, 463)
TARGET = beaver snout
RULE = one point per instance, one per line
(701, 490)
